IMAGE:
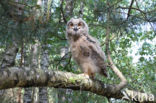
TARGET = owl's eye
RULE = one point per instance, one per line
(79, 24)
(71, 24)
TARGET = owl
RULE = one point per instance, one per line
(85, 49)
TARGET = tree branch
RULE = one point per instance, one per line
(61, 8)
(27, 77)
(130, 7)
(133, 8)
(123, 82)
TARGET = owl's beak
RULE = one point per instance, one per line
(75, 29)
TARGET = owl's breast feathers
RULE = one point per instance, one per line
(80, 48)
(87, 49)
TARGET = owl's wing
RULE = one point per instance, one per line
(95, 47)
(97, 55)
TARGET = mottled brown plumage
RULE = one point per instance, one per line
(85, 49)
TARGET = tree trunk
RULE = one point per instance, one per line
(30, 94)
(43, 93)
(8, 61)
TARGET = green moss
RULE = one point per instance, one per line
(72, 80)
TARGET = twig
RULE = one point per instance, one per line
(130, 7)
(81, 9)
(61, 8)
(62, 58)
(69, 62)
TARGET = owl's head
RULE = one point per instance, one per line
(76, 27)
